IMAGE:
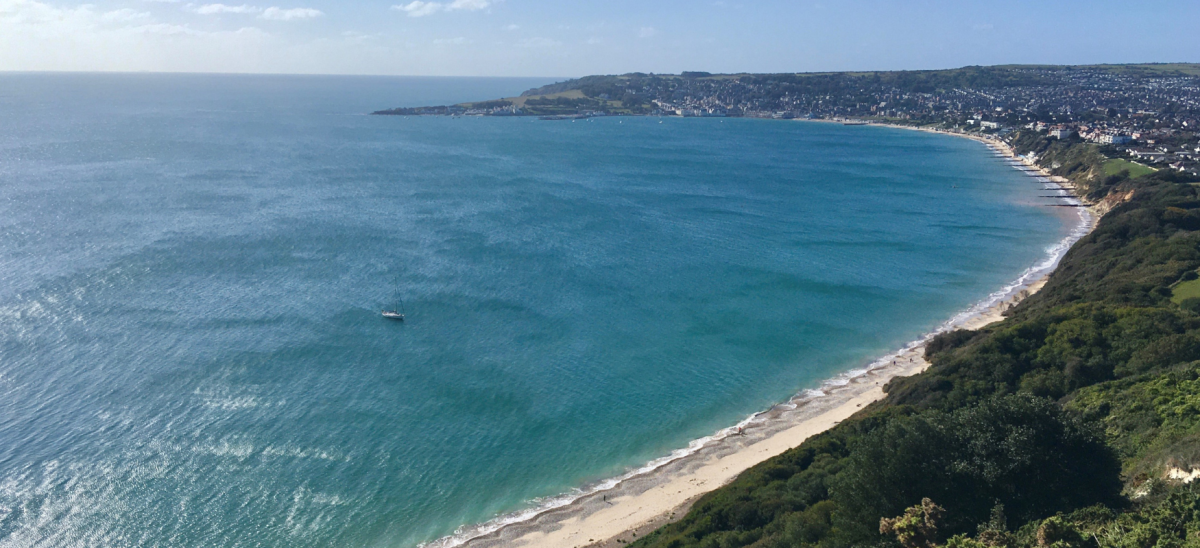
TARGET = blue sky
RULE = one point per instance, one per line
(545, 38)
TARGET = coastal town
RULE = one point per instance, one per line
(1145, 115)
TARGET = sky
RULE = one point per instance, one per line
(565, 38)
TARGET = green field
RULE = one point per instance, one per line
(1190, 69)
(1150, 69)
(1117, 165)
(1185, 290)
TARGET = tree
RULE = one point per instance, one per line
(917, 527)
(1018, 450)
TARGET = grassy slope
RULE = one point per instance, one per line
(1103, 337)
(523, 102)
(1116, 165)
(997, 75)
(520, 101)
(1165, 69)
(1185, 290)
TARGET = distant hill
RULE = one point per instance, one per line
(928, 95)
(998, 76)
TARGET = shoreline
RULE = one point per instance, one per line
(620, 509)
(999, 147)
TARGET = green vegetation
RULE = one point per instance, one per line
(1017, 450)
(1080, 162)
(918, 526)
(568, 94)
(1188, 289)
(843, 84)
(1153, 69)
(499, 103)
(1145, 69)
(1116, 165)
(849, 87)
(570, 101)
(1150, 419)
(1155, 101)
(1166, 522)
(1068, 424)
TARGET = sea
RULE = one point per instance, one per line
(192, 269)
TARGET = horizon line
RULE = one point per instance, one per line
(381, 75)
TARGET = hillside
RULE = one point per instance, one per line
(1008, 94)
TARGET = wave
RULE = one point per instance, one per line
(779, 412)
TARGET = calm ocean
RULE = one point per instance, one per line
(191, 352)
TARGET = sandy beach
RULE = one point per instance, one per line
(642, 501)
(998, 147)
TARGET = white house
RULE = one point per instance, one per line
(1112, 139)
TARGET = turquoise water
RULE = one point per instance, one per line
(191, 352)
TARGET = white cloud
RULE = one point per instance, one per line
(469, 5)
(164, 29)
(418, 8)
(41, 36)
(214, 9)
(124, 15)
(512, 27)
(272, 13)
(86, 35)
(45, 20)
(647, 32)
(281, 14)
(38, 20)
(23, 22)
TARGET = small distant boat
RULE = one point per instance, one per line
(393, 315)
(397, 315)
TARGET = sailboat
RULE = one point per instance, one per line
(397, 315)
